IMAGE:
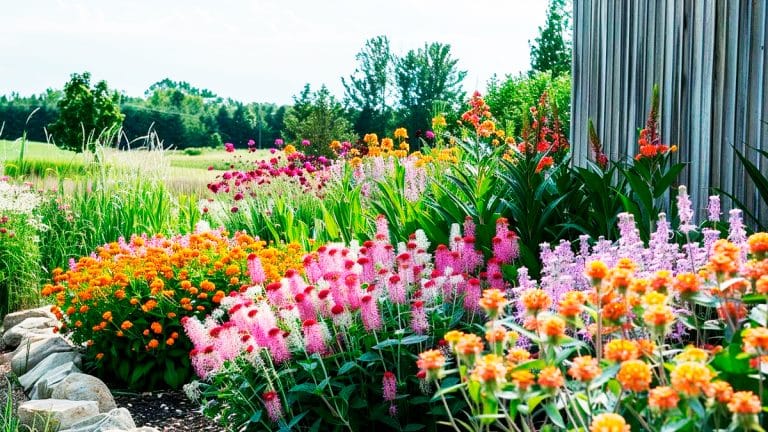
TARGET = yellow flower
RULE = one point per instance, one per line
(609, 422)
(401, 133)
(289, 149)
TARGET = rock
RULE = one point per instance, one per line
(13, 319)
(78, 386)
(119, 418)
(56, 413)
(29, 379)
(28, 355)
(30, 326)
(138, 429)
(44, 387)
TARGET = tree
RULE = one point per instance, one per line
(367, 89)
(318, 118)
(86, 114)
(551, 51)
(424, 78)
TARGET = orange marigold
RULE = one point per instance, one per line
(634, 375)
(744, 402)
(523, 379)
(687, 283)
(126, 325)
(663, 398)
(490, 370)
(584, 368)
(571, 304)
(690, 378)
(493, 302)
(609, 422)
(758, 243)
(535, 300)
(431, 362)
(551, 378)
(156, 327)
(154, 343)
(620, 350)
(756, 340)
(518, 355)
(469, 345)
(553, 327)
(596, 270)
(720, 391)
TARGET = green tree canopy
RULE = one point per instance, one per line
(319, 118)
(86, 114)
(368, 89)
(551, 51)
(424, 78)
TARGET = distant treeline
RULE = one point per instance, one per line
(181, 115)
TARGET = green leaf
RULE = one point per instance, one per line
(304, 388)
(346, 367)
(414, 339)
(554, 415)
(256, 416)
(413, 427)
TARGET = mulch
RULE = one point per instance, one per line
(168, 411)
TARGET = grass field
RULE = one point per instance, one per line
(183, 173)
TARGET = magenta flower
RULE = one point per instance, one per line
(419, 321)
(314, 337)
(229, 147)
(429, 135)
(369, 310)
(273, 405)
(256, 270)
(389, 386)
(279, 142)
(305, 143)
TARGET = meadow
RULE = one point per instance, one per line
(464, 279)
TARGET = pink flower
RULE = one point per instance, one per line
(314, 337)
(229, 147)
(305, 143)
(279, 143)
(419, 322)
(256, 270)
(429, 135)
(277, 346)
(370, 313)
(396, 289)
(273, 405)
(389, 386)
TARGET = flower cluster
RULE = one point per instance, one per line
(126, 301)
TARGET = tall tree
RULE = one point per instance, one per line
(367, 90)
(86, 114)
(318, 118)
(551, 51)
(426, 77)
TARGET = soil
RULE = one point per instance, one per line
(168, 411)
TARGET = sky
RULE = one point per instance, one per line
(250, 50)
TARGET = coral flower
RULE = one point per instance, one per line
(469, 346)
(535, 300)
(659, 317)
(691, 378)
(571, 304)
(758, 244)
(663, 398)
(584, 368)
(493, 302)
(596, 270)
(620, 350)
(489, 370)
(554, 328)
(687, 284)
(744, 403)
(518, 355)
(756, 340)
(720, 391)
(609, 422)
(551, 378)
(523, 379)
(634, 375)
(431, 362)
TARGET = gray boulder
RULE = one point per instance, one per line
(44, 387)
(13, 319)
(27, 328)
(32, 352)
(61, 414)
(119, 418)
(29, 379)
(78, 386)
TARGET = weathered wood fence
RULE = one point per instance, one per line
(709, 59)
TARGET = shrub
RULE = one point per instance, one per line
(125, 302)
(335, 349)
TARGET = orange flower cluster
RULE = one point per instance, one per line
(130, 297)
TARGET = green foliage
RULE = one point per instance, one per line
(86, 114)
(319, 118)
(551, 51)
(759, 179)
(511, 98)
(367, 90)
(425, 77)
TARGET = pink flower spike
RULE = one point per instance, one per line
(389, 386)
(273, 405)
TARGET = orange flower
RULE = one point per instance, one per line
(744, 402)
(758, 244)
(156, 327)
(170, 341)
(431, 362)
(571, 304)
(452, 337)
(690, 378)
(149, 305)
(721, 391)
(692, 354)
(489, 370)
(596, 270)
(518, 355)
(469, 345)
(535, 300)
(107, 316)
(661, 281)
(126, 325)
(551, 378)
(761, 285)
(153, 344)
(620, 350)
(634, 375)
(584, 368)
(496, 335)
(614, 311)
(544, 163)
(755, 340)
(687, 283)
(609, 422)
(659, 316)
(663, 398)
(493, 302)
(99, 356)
(523, 379)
